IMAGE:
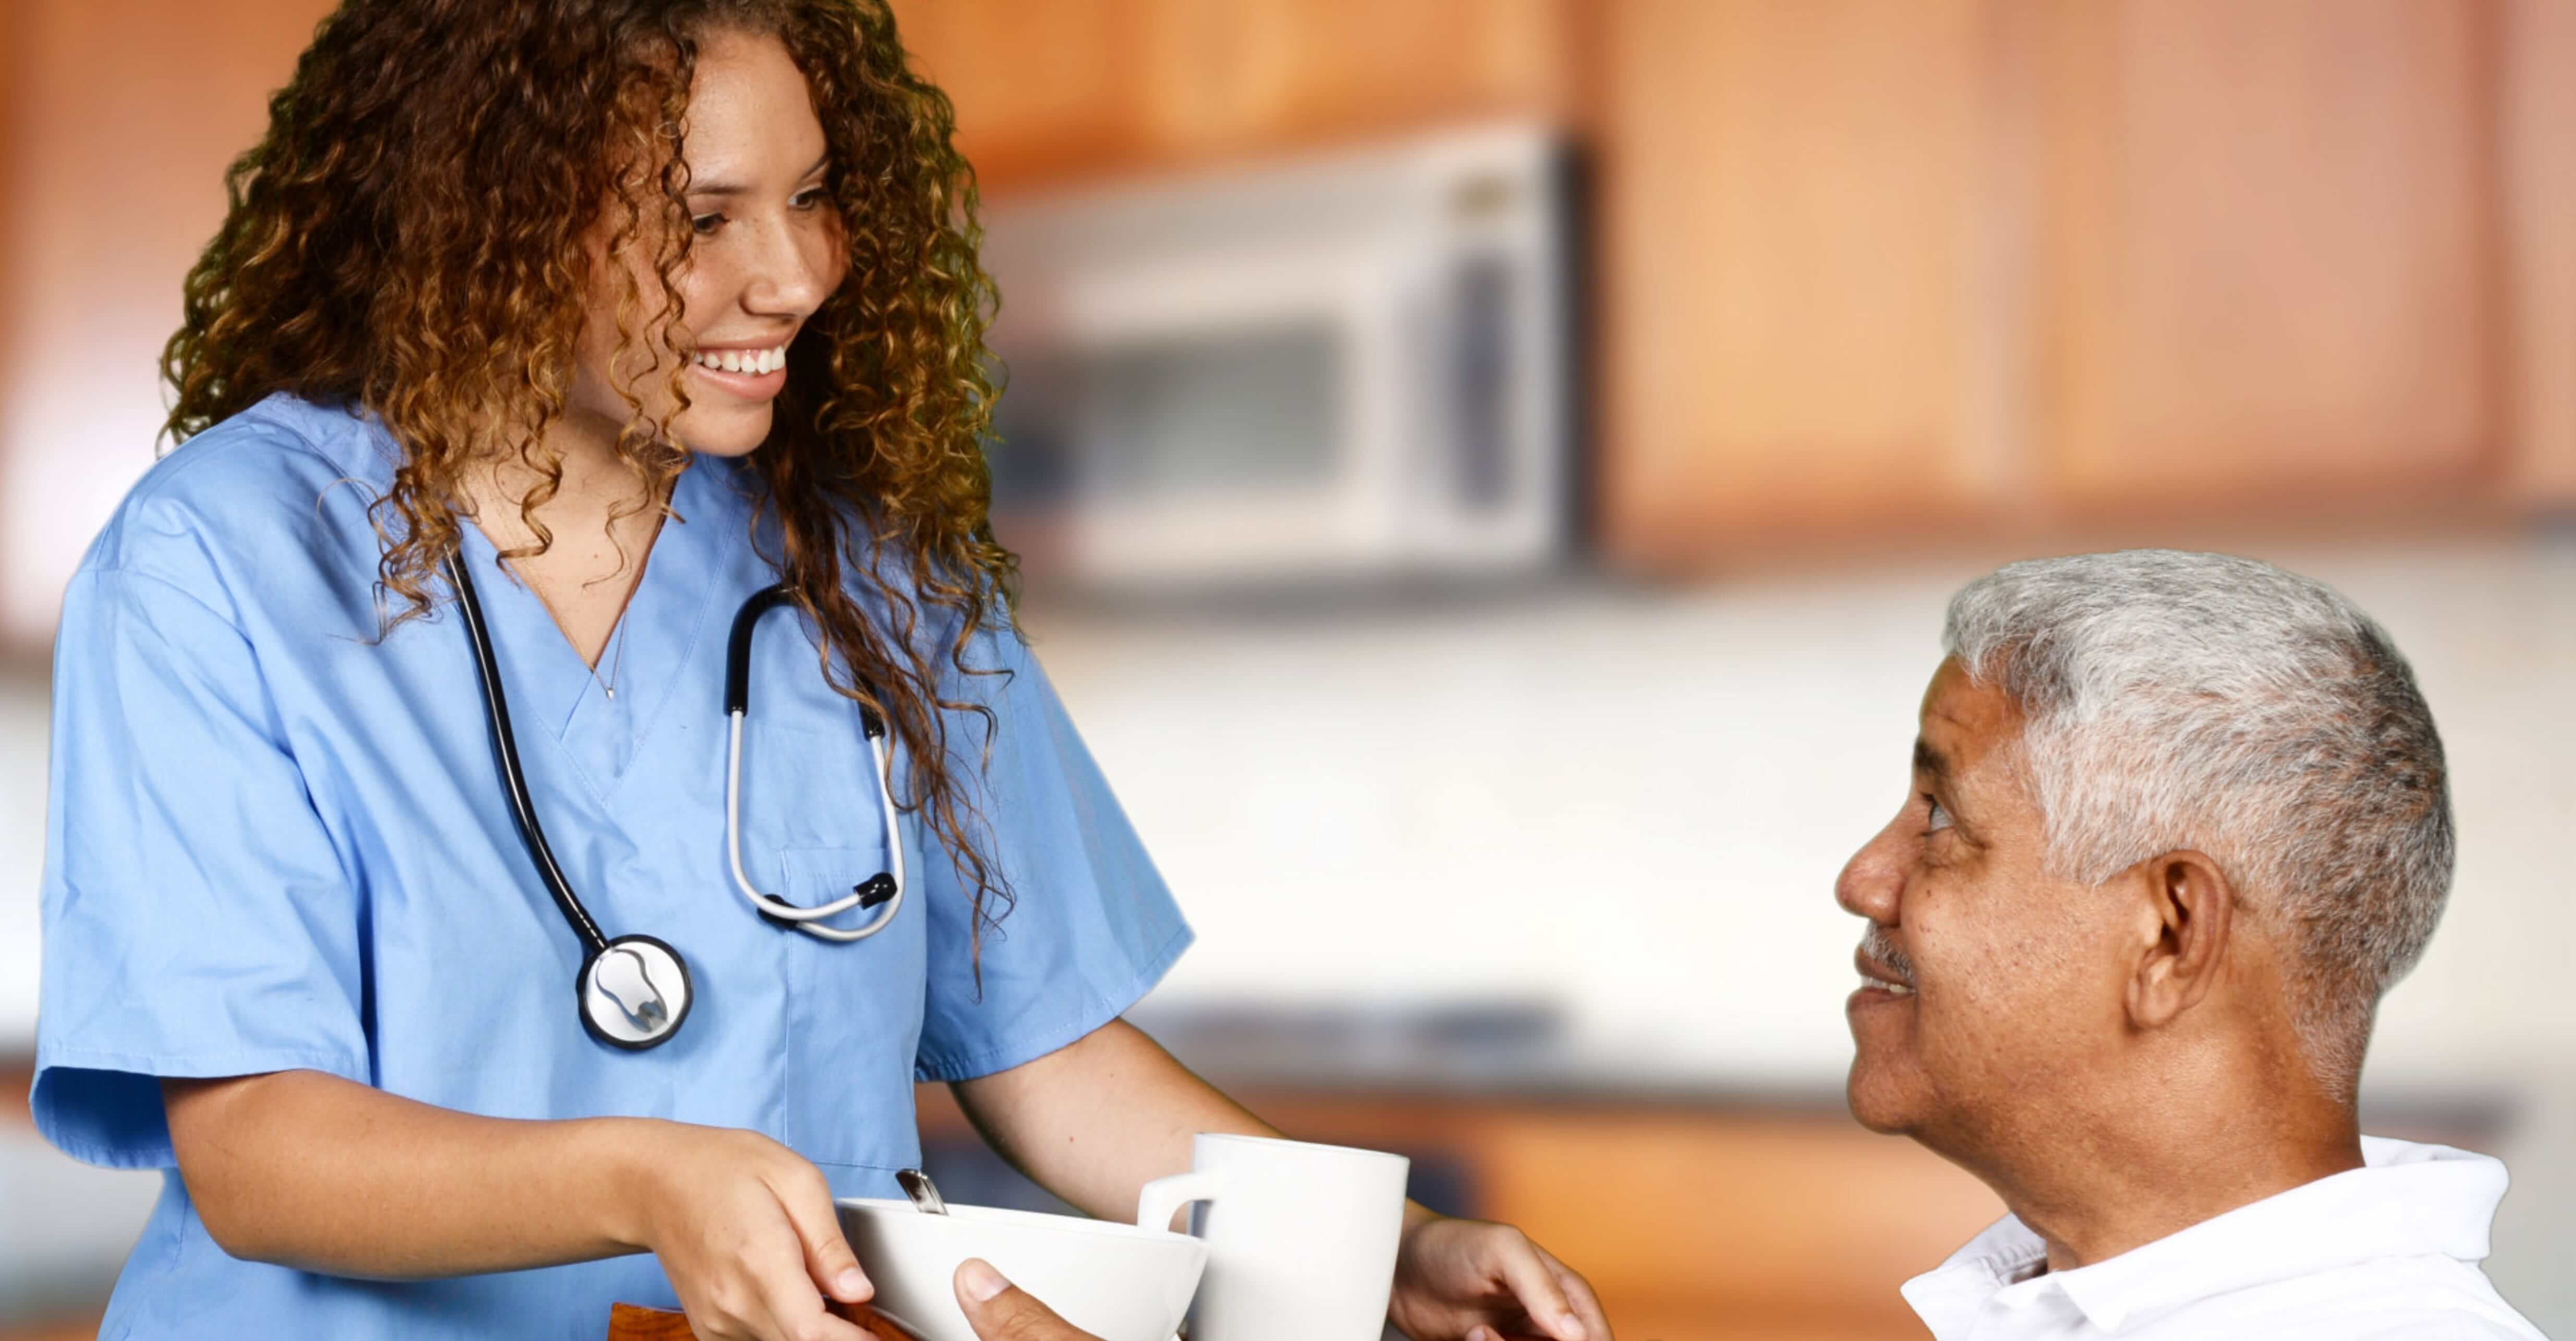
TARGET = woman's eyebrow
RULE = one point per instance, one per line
(720, 187)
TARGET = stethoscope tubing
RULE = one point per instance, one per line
(737, 707)
(522, 807)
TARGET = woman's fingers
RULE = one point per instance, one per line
(796, 1313)
(1578, 1292)
(833, 1268)
(786, 1307)
(1531, 1274)
(746, 1231)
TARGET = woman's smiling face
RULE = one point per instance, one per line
(768, 249)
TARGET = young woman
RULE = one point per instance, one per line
(414, 895)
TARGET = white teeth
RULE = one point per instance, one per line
(753, 361)
(1892, 988)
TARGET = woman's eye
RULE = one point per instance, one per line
(1936, 815)
(705, 224)
(806, 200)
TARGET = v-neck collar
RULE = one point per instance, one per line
(670, 618)
(663, 626)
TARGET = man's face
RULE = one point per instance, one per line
(1997, 985)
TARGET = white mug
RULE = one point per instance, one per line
(1301, 1238)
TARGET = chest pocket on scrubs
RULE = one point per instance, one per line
(854, 1014)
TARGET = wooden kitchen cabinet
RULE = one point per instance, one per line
(1034, 85)
(1059, 90)
(1792, 222)
(1953, 267)
(1927, 268)
(2538, 53)
(2269, 250)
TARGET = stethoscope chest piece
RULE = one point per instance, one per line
(634, 993)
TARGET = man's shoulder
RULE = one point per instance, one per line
(2428, 1298)
(2452, 1326)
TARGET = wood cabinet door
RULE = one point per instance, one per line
(1252, 74)
(2538, 49)
(1040, 87)
(1794, 313)
(1058, 90)
(2270, 251)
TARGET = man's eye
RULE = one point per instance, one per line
(1936, 815)
(705, 224)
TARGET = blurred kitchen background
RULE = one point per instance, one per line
(1490, 471)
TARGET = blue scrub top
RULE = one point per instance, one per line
(276, 841)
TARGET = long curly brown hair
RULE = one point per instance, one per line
(415, 234)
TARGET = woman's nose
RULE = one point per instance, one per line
(791, 275)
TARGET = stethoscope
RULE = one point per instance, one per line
(634, 991)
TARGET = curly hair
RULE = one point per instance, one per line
(412, 234)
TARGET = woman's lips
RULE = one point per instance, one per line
(750, 386)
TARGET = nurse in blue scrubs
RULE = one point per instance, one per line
(610, 315)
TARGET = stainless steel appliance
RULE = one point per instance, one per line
(1349, 366)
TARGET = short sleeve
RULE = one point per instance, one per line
(197, 918)
(1091, 927)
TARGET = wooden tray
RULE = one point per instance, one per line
(630, 1322)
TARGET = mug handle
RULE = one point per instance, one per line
(1164, 1197)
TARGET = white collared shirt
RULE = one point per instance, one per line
(2387, 1252)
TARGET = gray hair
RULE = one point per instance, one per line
(2175, 700)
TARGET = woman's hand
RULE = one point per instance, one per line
(1467, 1280)
(746, 1231)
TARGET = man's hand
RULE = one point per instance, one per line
(1467, 1280)
(1001, 1311)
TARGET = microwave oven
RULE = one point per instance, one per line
(1348, 367)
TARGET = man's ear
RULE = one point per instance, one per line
(2187, 921)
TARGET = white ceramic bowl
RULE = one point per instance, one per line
(1117, 1282)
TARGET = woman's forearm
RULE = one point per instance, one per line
(312, 1171)
(1094, 1122)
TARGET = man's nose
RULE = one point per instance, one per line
(1873, 881)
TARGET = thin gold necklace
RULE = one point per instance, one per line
(616, 634)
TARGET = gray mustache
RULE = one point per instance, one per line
(1878, 945)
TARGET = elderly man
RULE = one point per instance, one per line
(2176, 822)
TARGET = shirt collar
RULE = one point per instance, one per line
(2407, 1200)
(1949, 1297)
